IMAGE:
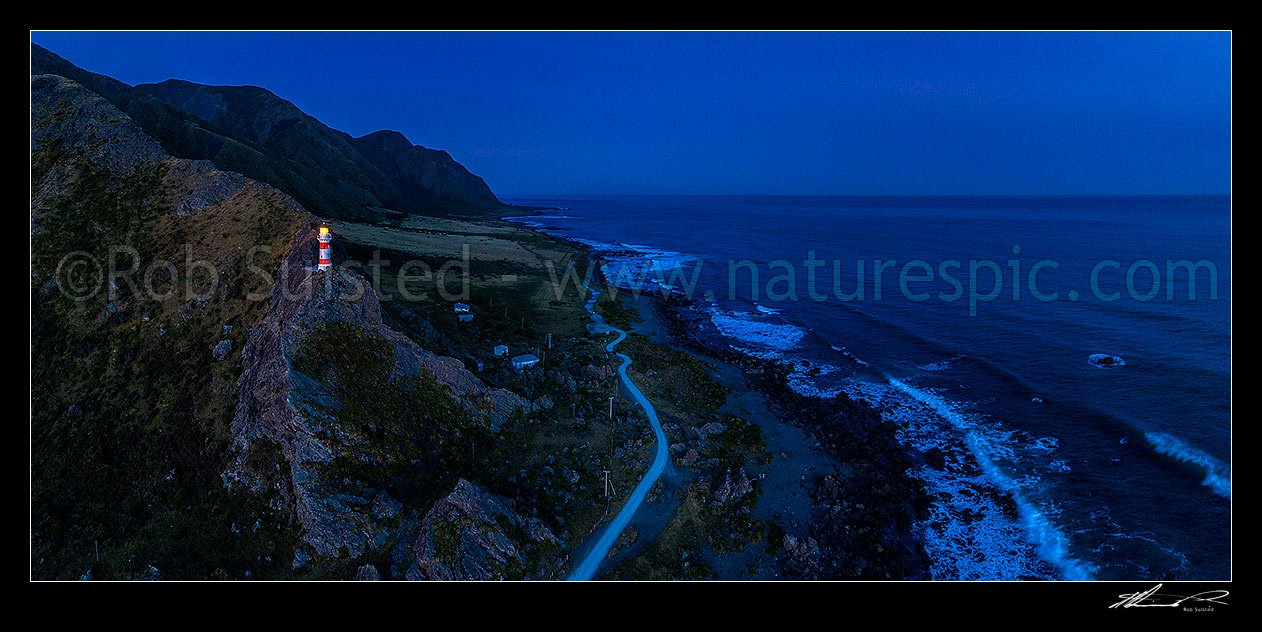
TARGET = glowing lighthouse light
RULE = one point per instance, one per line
(326, 257)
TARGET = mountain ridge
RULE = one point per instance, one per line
(165, 424)
(395, 174)
(252, 131)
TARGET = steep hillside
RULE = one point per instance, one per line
(382, 170)
(133, 375)
(207, 405)
(427, 176)
(185, 136)
(253, 132)
(340, 415)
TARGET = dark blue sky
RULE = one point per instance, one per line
(745, 113)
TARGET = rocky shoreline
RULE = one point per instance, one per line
(864, 511)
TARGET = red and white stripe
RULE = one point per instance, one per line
(326, 253)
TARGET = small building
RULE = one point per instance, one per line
(501, 351)
(465, 318)
(461, 308)
(525, 361)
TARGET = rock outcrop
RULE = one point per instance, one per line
(278, 405)
(732, 488)
(472, 534)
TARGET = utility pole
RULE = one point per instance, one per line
(606, 483)
(549, 341)
(611, 408)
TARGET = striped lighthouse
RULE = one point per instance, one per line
(326, 257)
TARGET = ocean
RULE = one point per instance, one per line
(1052, 348)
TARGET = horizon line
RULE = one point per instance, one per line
(908, 195)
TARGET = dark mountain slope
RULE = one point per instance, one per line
(422, 174)
(251, 131)
(186, 136)
(260, 117)
(188, 420)
(382, 169)
(133, 381)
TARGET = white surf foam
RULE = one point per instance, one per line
(1217, 473)
(846, 352)
(638, 267)
(987, 449)
(968, 535)
(940, 365)
(751, 328)
(805, 379)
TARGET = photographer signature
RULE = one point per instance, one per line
(1153, 599)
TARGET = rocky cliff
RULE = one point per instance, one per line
(321, 350)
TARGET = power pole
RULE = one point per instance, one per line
(606, 483)
(611, 408)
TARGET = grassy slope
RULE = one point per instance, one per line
(130, 412)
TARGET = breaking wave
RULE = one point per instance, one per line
(1217, 473)
(986, 447)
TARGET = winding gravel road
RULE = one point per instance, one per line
(587, 569)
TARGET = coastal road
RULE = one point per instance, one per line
(587, 569)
